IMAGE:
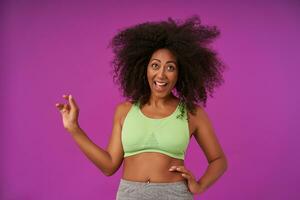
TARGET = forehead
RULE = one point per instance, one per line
(163, 54)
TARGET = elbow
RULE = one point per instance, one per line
(222, 162)
(108, 172)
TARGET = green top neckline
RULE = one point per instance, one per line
(164, 118)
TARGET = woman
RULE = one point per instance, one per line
(164, 69)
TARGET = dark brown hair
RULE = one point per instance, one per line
(200, 71)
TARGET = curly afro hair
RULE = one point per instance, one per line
(200, 71)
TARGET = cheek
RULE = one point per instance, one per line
(149, 73)
(174, 77)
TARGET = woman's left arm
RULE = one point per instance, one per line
(207, 140)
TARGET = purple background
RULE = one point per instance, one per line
(50, 48)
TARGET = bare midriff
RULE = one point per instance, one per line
(151, 167)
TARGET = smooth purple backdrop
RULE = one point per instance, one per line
(50, 48)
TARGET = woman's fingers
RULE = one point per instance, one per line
(66, 107)
(179, 168)
(61, 107)
(187, 174)
(183, 170)
(72, 102)
(71, 105)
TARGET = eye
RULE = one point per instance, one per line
(154, 66)
(171, 68)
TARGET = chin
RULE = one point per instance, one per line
(161, 94)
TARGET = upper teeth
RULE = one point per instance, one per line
(161, 83)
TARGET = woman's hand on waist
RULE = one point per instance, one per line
(193, 185)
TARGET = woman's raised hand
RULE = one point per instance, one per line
(69, 113)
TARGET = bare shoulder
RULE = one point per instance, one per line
(124, 106)
(200, 112)
(200, 117)
(122, 109)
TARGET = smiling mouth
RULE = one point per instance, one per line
(160, 83)
(160, 86)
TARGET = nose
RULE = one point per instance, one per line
(161, 72)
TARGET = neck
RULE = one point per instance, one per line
(160, 101)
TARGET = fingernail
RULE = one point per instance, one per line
(70, 96)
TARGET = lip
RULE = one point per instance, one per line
(161, 81)
(160, 88)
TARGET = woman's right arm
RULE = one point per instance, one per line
(107, 161)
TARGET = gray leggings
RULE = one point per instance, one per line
(132, 190)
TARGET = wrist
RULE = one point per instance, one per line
(73, 129)
(201, 188)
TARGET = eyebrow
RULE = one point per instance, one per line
(170, 61)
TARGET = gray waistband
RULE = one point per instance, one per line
(123, 181)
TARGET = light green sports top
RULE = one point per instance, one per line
(168, 135)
